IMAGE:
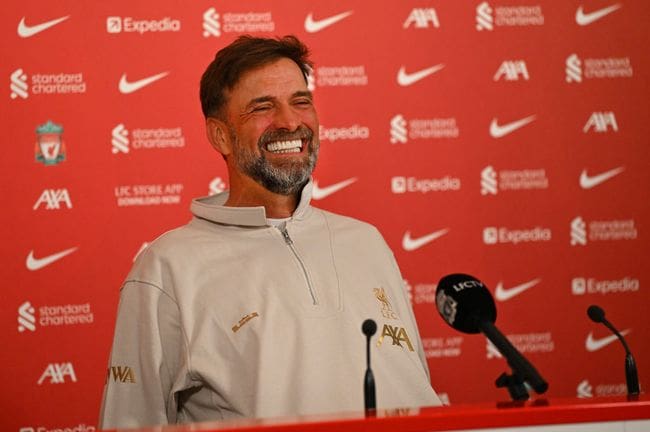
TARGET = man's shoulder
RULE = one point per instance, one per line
(347, 224)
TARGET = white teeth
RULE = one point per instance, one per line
(293, 146)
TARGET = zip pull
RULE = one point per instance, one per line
(285, 234)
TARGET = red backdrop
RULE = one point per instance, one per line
(505, 139)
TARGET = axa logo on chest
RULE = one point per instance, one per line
(53, 316)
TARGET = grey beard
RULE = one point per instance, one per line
(286, 179)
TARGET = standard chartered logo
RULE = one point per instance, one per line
(573, 69)
(398, 131)
(26, 317)
(489, 181)
(211, 24)
(578, 232)
(18, 84)
(484, 19)
(119, 139)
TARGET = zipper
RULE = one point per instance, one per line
(289, 242)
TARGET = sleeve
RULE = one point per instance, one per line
(145, 360)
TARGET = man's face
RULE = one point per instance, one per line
(273, 127)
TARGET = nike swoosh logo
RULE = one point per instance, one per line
(592, 344)
(587, 181)
(34, 264)
(406, 79)
(319, 193)
(584, 19)
(497, 131)
(26, 31)
(313, 26)
(127, 87)
(503, 294)
(411, 244)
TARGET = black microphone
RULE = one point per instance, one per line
(465, 303)
(597, 315)
(369, 328)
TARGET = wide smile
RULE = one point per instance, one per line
(283, 147)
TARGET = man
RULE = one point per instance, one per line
(254, 309)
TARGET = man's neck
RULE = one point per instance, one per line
(245, 192)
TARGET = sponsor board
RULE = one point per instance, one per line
(124, 140)
(583, 231)
(494, 235)
(590, 285)
(216, 186)
(488, 17)
(526, 343)
(129, 24)
(403, 130)
(58, 373)
(30, 317)
(45, 84)
(421, 293)
(148, 194)
(403, 184)
(578, 69)
(346, 133)
(493, 181)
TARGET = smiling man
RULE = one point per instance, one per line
(254, 308)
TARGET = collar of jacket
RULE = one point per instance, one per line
(212, 208)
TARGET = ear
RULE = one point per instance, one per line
(217, 133)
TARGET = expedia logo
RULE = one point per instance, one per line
(120, 374)
(115, 24)
(397, 335)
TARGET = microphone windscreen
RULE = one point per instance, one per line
(369, 327)
(596, 313)
(463, 302)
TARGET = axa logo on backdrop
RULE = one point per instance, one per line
(45, 84)
(215, 24)
(422, 18)
(58, 373)
(128, 24)
(512, 70)
(601, 122)
(53, 199)
(582, 285)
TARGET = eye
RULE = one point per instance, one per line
(261, 108)
(303, 102)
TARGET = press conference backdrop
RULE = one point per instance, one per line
(505, 139)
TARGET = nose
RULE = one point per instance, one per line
(286, 118)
